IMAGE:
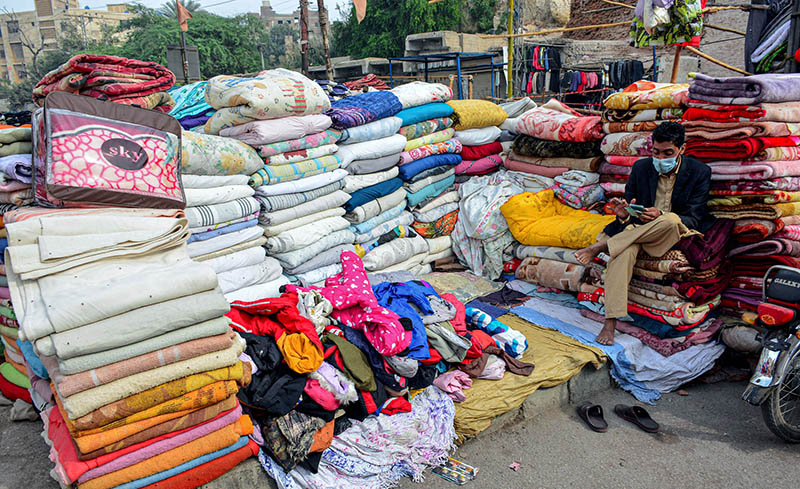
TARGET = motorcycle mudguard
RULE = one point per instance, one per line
(769, 372)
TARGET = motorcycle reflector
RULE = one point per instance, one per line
(775, 315)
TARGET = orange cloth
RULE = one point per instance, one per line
(322, 438)
(160, 395)
(212, 442)
(7, 126)
(299, 352)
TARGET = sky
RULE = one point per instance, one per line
(219, 7)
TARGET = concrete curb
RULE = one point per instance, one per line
(250, 474)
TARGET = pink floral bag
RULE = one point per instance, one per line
(88, 152)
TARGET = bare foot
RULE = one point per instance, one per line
(586, 255)
(606, 336)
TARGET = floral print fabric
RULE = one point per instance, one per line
(204, 154)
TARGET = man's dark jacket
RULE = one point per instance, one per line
(689, 196)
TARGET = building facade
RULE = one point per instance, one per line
(271, 19)
(23, 34)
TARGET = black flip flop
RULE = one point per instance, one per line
(592, 414)
(638, 416)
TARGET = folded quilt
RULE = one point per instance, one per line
(768, 247)
(10, 135)
(431, 190)
(302, 154)
(542, 148)
(379, 129)
(207, 215)
(260, 241)
(17, 167)
(551, 273)
(258, 292)
(436, 137)
(363, 108)
(17, 197)
(190, 100)
(371, 149)
(394, 252)
(435, 214)
(480, 166)
(294, 259)
(16, 148)
(372, 165)
(583, 164)
(323, 259)
(391, 213)
(579, 197)
(277, 229)
(304, 184)
(649, 95)
(405, 265)
(404, 219)
(218, 226)
(329, 136)
(105, 77)
(271, 94)
(747, 90)
(261, 132)
(559, 124)
(199, 248)
(205, 154)
(368, 194)
(425, 112)
(329, 201)
(217, 195)
(478, 152)
(619, 160)
(353, 183)
(260, 273)
(645, 126)
(738, 130)
(616, 170)
(304, 236)
(628, 144)
(449, 146)
(409, 170)
(445, 198)
(273, 174)
(212, 181)
(746, 211)
(478, 136)
(472, 114)
(644, 115)
(424, 128)
(514, 164)
(239, 259)
(577, 178)
(318, 276)
(738, 149)
(418, 185)
(419, 93)
(703, 111)
(375, 207)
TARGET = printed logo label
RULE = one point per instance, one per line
(124, 154)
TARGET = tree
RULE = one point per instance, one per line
(171, 10)
(384, 29)
(281, 48)
(33, 44)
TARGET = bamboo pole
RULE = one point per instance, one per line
(618, 4)
(726, 29)
(716, 61)
(676, 64)
(554, 31)
(510, 65)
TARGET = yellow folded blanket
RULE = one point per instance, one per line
(473, 114)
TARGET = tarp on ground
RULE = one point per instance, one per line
(557, 358)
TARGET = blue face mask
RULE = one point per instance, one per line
(665, 165)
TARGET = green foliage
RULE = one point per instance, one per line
(383, 31)
(170, 9)
(481, 15)
(17, 95)
(281, 47)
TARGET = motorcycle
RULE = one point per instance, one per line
(775, 384)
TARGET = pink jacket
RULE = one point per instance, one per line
(355, 305)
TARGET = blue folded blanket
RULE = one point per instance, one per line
(368, 194)
(424, 113)
(230, 228)
(363, 108)
(432, 190)
(410, 170)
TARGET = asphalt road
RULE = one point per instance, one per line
(708, 439)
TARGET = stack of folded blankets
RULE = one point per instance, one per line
(476, 125)
(16, 166)
(144, 405)
(191, 108)
(747, 129)
(122, 80)
(629, 118)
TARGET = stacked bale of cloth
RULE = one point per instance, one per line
(629, 118)
(746, 129)
(191, 108)
(144, 405)
(122, 80)
(223, 214)
(476, 123)
(16, 166)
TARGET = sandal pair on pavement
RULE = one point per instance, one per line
(592, 414)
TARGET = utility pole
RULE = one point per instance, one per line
(304, 36)
(323, 24)
(510, 67)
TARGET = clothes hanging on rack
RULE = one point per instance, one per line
(623, 73)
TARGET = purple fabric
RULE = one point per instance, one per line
(162, 446)
(750, 297)
(773, 246)
(707, 250)
(17, 167)
(747, 90)
(193, 121)
(363, 108)
(334, 380)
(607, 168)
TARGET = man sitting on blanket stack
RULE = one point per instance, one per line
(665, 200)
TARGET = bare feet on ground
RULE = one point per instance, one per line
(586, 255)
(606, 336)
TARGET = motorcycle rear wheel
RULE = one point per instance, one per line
(781, 410)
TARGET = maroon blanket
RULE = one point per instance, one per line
(106, 78)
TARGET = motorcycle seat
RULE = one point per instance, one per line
(784, 286)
